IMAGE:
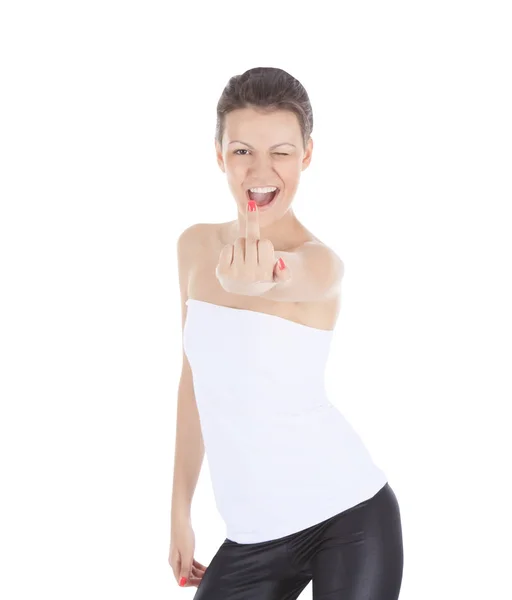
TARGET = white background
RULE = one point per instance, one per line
(107, 153)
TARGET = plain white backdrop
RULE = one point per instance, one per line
(107, 127)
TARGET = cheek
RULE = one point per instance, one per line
(234, 168)
(291, 173)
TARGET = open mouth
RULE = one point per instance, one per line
(263, 200)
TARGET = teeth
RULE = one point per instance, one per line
(262, 190)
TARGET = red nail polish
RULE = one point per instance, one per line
(252, 205)
(281, 264)
(183, 581)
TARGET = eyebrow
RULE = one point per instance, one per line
(274, 146)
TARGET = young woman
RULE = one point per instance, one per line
(299, 493)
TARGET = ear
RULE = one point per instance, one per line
(308, 154)
(220, 159)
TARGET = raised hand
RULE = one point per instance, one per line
(249, 266)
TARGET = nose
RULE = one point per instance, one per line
(262, 169)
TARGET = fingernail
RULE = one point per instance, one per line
(252, 205)
(281, 264)
(183, 581)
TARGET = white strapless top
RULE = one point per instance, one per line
(281, 457)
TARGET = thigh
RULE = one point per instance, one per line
(360, 556)
(259, 571)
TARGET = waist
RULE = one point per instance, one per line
(259, 443)
(257, 403)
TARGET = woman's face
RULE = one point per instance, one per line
(261, 150)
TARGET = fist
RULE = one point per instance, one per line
(250, 266)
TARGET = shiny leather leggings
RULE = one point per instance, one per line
(355, 555)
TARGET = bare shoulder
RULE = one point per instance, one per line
(192, 235)
(188, 245)
(194, 241)
(323, 255)
(328, 268)
(322, 261)
(194, 248)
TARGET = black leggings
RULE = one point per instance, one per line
(355, 555)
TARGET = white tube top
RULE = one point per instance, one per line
(281, 457)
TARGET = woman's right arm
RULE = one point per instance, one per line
(189, 448)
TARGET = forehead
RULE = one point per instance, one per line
(249, 124)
